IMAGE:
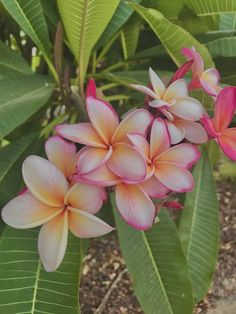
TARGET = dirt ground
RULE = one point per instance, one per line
(106, 271)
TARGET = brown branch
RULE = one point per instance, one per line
(101, 307)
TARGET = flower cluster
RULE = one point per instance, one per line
(143, 158)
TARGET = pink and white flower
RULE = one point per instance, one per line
(107, 146)
(206, 79)
(50, 202)
(218, 127)
(167, 170)
(181, 111)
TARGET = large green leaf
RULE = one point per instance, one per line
(172, 37)
(11, 158)
(29, 16)
(21, 96)
(223, 47)
(156, 262)
(199, 228)
(171, 9)
(121, 15)
(208, 7)
(26, 287)
(227, 22)
(10, 59)
(84, 21)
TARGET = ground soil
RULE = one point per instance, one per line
(104, 271)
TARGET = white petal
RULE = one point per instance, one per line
(52, 242)
(156, 82)
(25, 211)
(176, 132)
(44, 180)
(85, 225)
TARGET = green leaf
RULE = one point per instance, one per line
(84, 21)
(29, 16)
(12, 60)
(50, 11)
(21, 96)
(128, 77)
(227, 22)
(120, 17)
(156, 262)
(199, 228)
(171, 9)
(130, 36)
(11, 158)
(172, 37)
(209, 7)
(26, 287)
(223, 47)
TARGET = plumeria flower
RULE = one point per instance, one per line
(218, 127)
(181, 110)
(167, 170)
(50, 202)
(107, 146)
(208, 79)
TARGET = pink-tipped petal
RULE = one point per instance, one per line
(52, 242)
(83, 133)
(91, 158)
(159, 138)
(227, 142)
(127, 163)
(85, 225)
(176, 89)
(192, 54)
(224, 108)
(103, 118)
(154, 188)
(144, 89)
(209, 127)
(85, 197)
(141, 143)
(25, 211)
(157, 85)
(183, 155)
(187, 108)
(61, 153)
(209, 80)
(176, 132)
(136, 121)
(102, 176)
(135, 206)
(91, 89)
(175, 178)
(180, 73)
(44, 180)
(194, 132)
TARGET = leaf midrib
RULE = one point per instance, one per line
(82, 36)
(25, 95)
(36, 286)
(156, 271)
(11, 66)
